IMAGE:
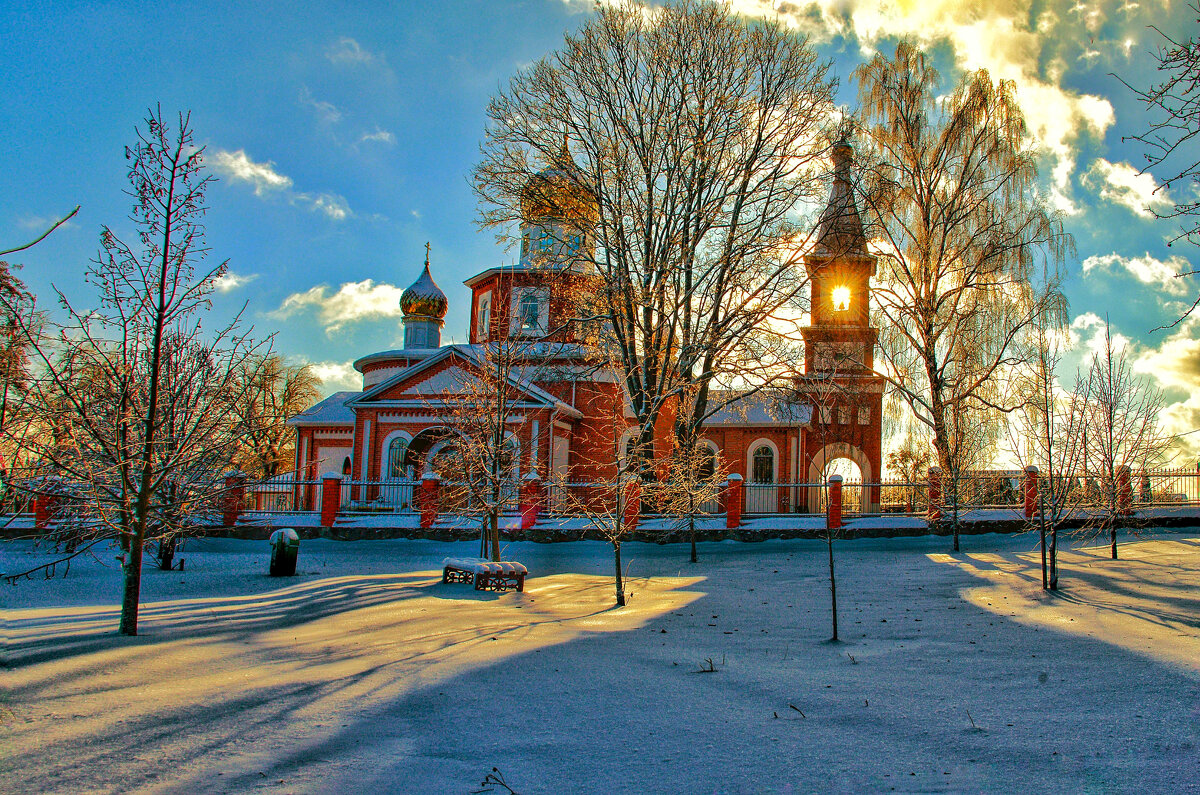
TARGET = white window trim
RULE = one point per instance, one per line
(385, 452)
(543, 300)
(757, 443)
(483, 315)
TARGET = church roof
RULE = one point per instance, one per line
(330, 411)
(424, 297)
(840, 230)
(758, 408)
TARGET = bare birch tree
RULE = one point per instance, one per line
(138, 391)
(1123, 434)
(1049, 431)
(968, 251)
(695, 136)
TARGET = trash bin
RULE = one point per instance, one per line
(285, 547)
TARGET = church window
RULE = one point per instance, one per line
(843, 415)
(484, 316)
(574, 243)
(841, 298)
(764, 465)
(528, 312)
(396, 463)
(864, 415)
(545, 241)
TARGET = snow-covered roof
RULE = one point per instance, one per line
(758, 408)
(330, 411)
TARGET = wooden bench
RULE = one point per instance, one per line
(486, 575)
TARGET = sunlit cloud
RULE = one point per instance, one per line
(238, 167)
(230, 281)
(350, 303)
(1120, 183)
(336, 376)
(1146, 269)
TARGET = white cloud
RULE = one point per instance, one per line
(337, 376)
(379, 136)
(327, 112)
(352, 302)
(1120, 183)
(334, 206)
(231, 281)
(347, 50)
(1146, 269)
(238, 167)
(1175, 362)
(998, 35)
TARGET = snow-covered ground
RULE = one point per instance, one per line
(366, 674)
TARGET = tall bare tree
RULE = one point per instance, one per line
(1122, 430)
(138, 390)
(694, 136)
(969, 252)
(1050, 431)
(1173, 130)
(269, 393)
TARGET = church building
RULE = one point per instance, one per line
(401, 424)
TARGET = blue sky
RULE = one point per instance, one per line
(343, 136)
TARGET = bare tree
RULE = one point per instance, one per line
(137, 391)
(269, 394)
(1049, 431)
(1123, 435)
(968, 251)
(693, 136)
(694, 480)
(1174, 129)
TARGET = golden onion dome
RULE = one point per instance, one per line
(558, 192)
(424, 297)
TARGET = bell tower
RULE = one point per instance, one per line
(839, 381)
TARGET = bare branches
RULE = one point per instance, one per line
(694, 139)
(43, 235)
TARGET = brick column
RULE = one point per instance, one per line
(430, 484)
(1124, 491)
(833, 511)
(633, 505)
(532, 495)
(733, 501)
(1031, 491)
(43, 509)
(935, 494)
(233, 497)
(331, 499)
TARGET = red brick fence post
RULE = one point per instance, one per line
(733, 501)
(430, 484)
(833, 511)
(1031, 491)
(531, 500)
(331, 499)
(935, 494)
(233, 497)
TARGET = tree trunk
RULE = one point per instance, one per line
(620, 584)
(166, 552)
(1054, 558)
(494, 534)
(1042, 534)
(832, 588)
(1114, 540)
(133, 585)
(692, 535)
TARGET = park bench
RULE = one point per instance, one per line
(486, 575)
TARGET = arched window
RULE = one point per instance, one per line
(708, 461)
(763, 465)
(396, 454)
(346, 467)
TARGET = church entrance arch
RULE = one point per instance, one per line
(847, 460)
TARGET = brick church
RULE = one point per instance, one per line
(401, 423)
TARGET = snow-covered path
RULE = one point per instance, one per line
(366, 673)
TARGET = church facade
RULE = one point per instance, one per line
(566, 415)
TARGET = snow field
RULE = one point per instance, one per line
(364, 672)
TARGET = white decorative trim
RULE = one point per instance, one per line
(761, 441)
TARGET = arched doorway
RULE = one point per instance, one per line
(839, 458)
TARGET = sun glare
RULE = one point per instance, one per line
(841, 299)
